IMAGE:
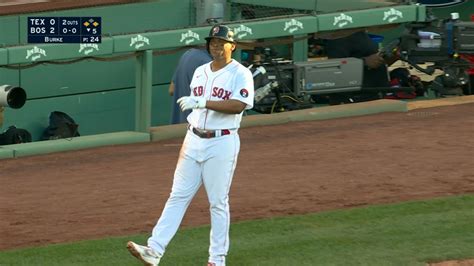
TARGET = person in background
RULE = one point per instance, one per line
(359, 45)
(179, 85)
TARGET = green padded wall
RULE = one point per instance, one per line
(162, 104)
(81, 77)
(9, 76)
(9, 30)
(96, 113)
(9, 35)
(98, 95)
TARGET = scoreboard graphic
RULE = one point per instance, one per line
(64, 29)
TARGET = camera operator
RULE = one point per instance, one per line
(359, 45)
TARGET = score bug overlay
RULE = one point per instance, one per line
(64, 29)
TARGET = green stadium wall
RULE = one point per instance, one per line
(98, 95)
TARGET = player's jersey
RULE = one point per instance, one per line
(234, 81)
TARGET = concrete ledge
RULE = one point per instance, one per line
(441, 102)
(168, 132)
(267, 119)
(77, 143)
(319, 113)
(6, 153)
(328, 112)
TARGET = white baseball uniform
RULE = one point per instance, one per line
(209, 159)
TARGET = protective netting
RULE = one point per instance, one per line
(11, 7)
(258, 9)
(245, 12)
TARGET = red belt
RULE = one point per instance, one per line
(207, 134)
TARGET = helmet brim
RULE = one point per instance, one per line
(218, 37)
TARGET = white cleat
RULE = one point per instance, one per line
(145, 254)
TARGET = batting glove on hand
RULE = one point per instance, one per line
(191, 102)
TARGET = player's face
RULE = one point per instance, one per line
(221, 49)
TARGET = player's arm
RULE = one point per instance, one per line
(373, 61)
(228, 106)
(241, 100)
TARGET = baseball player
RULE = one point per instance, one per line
(220, 91)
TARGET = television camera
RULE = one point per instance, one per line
(283, 85)
(449, 45)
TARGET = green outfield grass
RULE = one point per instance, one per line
(409, 233)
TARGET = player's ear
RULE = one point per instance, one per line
(233, 47)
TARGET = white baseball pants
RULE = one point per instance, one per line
(201, 161)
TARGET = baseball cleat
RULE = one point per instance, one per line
(145, 254)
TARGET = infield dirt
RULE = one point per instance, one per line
(294, 168)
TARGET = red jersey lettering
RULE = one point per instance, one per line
(221, 93)
(198, 91)
(227, 95)
(214, 91)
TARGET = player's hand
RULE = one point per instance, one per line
(374, 61)
(191, 102)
